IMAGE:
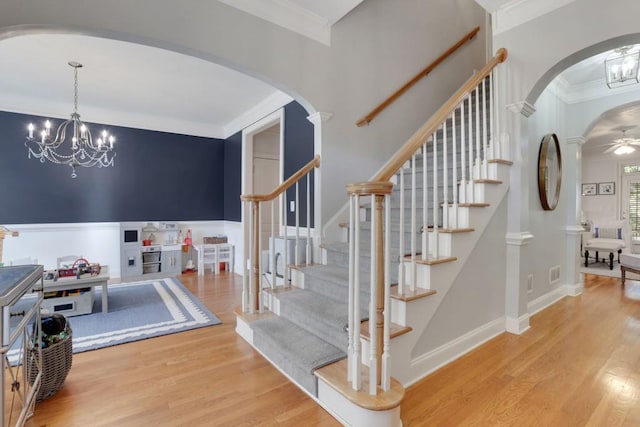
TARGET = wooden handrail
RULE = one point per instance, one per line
(314, 163)
(421, 135)
(367, 119)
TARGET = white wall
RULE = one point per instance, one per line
(99, 242)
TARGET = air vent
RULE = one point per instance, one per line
(554, 274)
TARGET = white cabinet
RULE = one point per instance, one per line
(172, 262)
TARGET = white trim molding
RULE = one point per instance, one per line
(546, 300)
(577, 140)
(522, 107)
(508, 14)
(517, 326)
(574, 230)
(454, 349)
(519, 239)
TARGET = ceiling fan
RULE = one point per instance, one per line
(623, 145)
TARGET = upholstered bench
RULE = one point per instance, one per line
(629, 262)
(603, 245)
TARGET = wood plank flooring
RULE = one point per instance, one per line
(578, 365)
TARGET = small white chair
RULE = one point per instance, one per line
(225, 255)
(67, 260)
(207, 255)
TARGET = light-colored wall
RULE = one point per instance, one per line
(374, 50)
(99, 242)
(476, 298)
(547, 226)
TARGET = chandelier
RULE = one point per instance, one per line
(622, 69)
(72, 144)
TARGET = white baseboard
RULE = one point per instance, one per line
(517, 325)
(447, 353)
(546, 300)
(575, 289)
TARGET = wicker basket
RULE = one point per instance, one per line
(56, 363)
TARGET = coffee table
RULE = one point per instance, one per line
(85, 281)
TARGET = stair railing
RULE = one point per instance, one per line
(460, 139)
(256, 206)
(423, 73)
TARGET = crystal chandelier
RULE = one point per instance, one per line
(622, 69)
(73, 144)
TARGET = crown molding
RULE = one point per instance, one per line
(288, 15)
(319, 117)
(267, 106)
(509, 14)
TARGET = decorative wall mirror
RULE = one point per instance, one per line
(549, 171)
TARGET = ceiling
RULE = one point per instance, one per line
(138, 86)
(585, 81)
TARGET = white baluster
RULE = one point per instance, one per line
(308, 254)
(484, 129)
(245, 259)
(373, 287)
(251, 266)
(425, 204)
(352, 316)
(445, 177)
(470, 186)
(285, 261)
(357, 383)
(454, 185)
(386, 348)
(436, 206)
(476, 174)
(272, 244)
(296, 256)
(401, 272)
(493, 140)
(463, 159)
(414, 221)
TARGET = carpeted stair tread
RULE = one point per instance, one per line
(294, 350)
(322, 316)
(332, 273)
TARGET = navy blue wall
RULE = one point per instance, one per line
(298, 151)
(233, 177)
(157, 176)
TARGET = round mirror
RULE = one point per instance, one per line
(549, 172)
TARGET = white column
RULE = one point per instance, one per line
(518, 236)
(572, 171)
(318, 233)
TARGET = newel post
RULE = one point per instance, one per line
(377, 191)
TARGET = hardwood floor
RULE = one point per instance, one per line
(579, 364)
(205, 377)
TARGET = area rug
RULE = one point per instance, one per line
(137, 311)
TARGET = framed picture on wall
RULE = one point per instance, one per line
(606, 188)
(589, 189)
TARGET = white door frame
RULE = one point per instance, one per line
(277, 117)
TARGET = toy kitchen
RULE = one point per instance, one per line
(150, 249)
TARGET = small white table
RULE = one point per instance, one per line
(85, 281)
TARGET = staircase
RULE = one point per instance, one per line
(431, 231)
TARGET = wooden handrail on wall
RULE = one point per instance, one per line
(314, 163)
(367, 119)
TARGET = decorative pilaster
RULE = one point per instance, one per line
(572, 194)
(318, 119)
(518, 236)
